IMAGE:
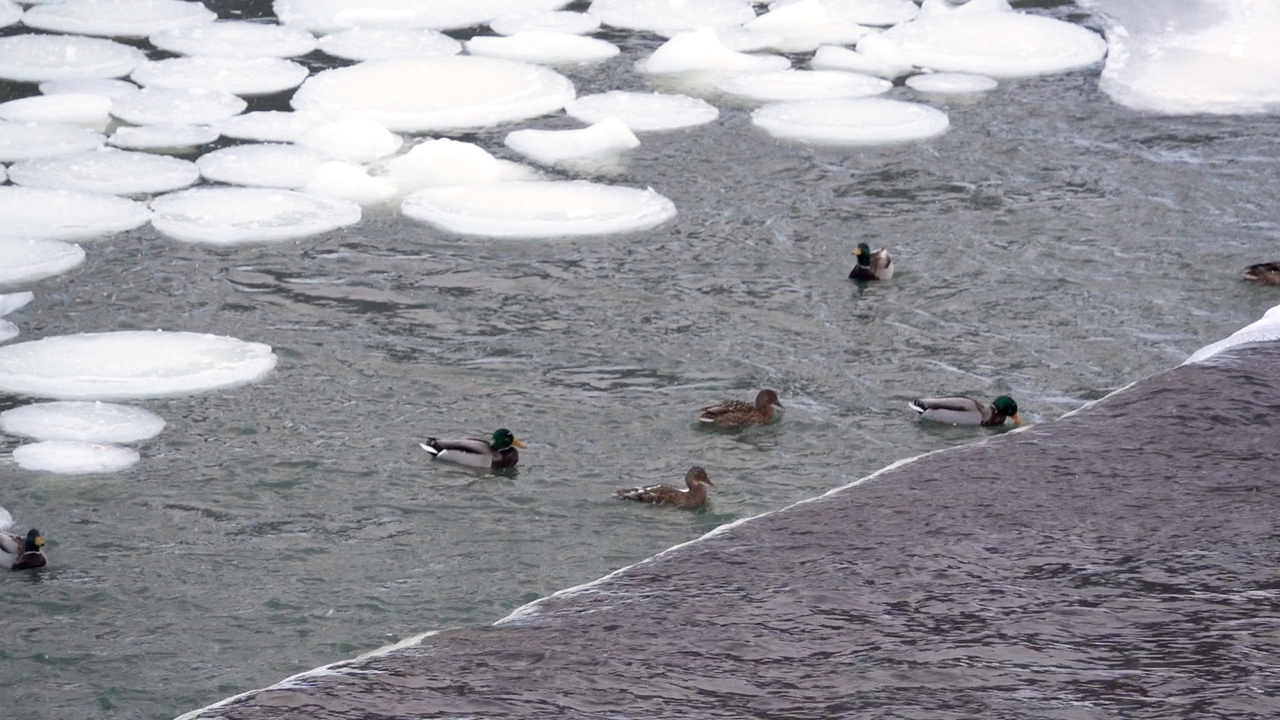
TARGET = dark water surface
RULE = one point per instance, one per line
(1051, 246)
(1078, 569)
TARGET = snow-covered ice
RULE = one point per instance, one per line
(66, 214)
(22, 141)
(107, 170)
(604, 139)
(386, 43)
(117, 18)
(70, 457)
(856, 121)
(220, 73)
(350, 182)
(265, 165)
(701, 52)
(466, 92)
(234, 216)
(36, 58)
(874, 56)
(356, 139)
(175, 106)
(131, 364)
(82, 420)
(239, 38)
(643, 112)
(26, 260)
(442, 162)
(541, 209)
(802, 85)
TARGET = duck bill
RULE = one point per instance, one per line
(518, 444)
(1017, 421)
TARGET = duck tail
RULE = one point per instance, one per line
(917, 405)
(430, 447)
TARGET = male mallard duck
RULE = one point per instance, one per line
(967, 411)
(19, 553)
(696, 495)
(1265, 273)
(876, 265)
(500, 452)
(736, 414)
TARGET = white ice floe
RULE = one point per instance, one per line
(66, 214)
(238, 38)
(604, 139)
(263, 165)
(220, 73)
(25, 260)
(456, 92)
(173, 106)
(270, 125)
(358, 140)
(70, 457)
(10, 13)
(541, 46)
(875, 56)
(36, 58)
(8, 330)
(1175, 63)
(443, 162)
(541, 209)
(951, 83)
(643, 111)
(15, 301)
(107, 87)
(858, 121)
(1266, 329)
(802, 85)
(671, 16)
(350, 182)
(162, 138)
(22, 141)
(82, 420)
(741, 39)
(117, 18)
(386, 43)
(548, 20)
(700, 51)
(107, 170)
(233, 216)
(986, 37)
(328, 16)
(806, 24)
(131, 364)
(864, 12)
(78, 109)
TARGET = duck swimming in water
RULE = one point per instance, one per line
(967, 411)
(22, 553)
(695, 496)
(738, 414)
(497, 452)
(1265, 273)
(876, 265)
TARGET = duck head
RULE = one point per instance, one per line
(1005, 405)
(503, 439)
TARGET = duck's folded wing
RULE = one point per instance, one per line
(724, 408)
(957, 404)
(464, 445)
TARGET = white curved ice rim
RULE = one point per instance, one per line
(1266, 329)
(131, 364)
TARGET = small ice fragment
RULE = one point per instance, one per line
(234, 216)
(875, 56)
(385, 43)
(356, 139)
(607, 137)
(70, 457)
(82, 420)
(8, 330)
(66, 214)
(443, 162)
(802, 85)
(951, 83)
(14, 301)
(541, 46)
(643, 111)
(350, 182)
(700, 51)
(238, 38)
(26, 260)
(858, 121)
(131, 364)
(107, 170)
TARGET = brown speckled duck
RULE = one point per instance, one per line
(876, 265)
(1264, 273)
(737, 414)
(498, 452)
(695, 496)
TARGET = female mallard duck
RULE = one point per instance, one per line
(696, 495)
(876, 265)
(499, 452)
(967, 411)
(19, 553)
(1265, 273)
(736, 414)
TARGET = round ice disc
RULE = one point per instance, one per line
(266, 165)
(26, 260)
(107, 170)
(36, 58)
(169, 106)
(951, 83)
(859, 121)
(232, 216)
(70, 457)
(216, 73)
(386, 43)
(236, 38)
(66, 214)
(117, 18)
(82, 420)
(643, 111)
(22, 141)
